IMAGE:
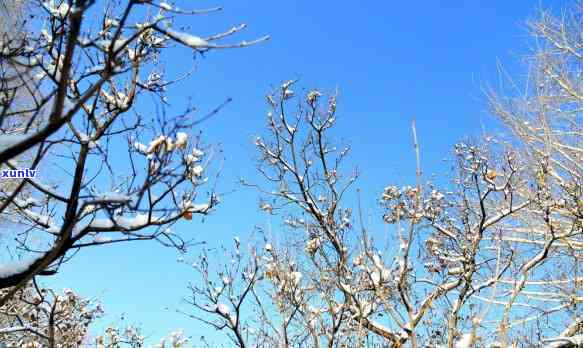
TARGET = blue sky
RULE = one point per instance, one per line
(391, 61)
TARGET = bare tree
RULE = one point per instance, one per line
(547, 236)
(90, 179)
(491, 259)
(37, 317)
(41, 317)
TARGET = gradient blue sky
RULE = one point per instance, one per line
(391, 61)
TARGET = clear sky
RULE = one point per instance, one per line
(391, 61)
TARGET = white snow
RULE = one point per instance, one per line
(169, 144)
(197, 170)
(111, 22)
(189, 40)
(181, 140)
(154, 166)
(31, 202)
(346, 287)
(266, 207)
(233, 319)
(376, 277)
(139, 147)
(223, 309)
(101, 239)
(380, 326)
(365, 308)
(140, 220)
(114, 197)
(313, 95)
(39, 219)
(104, 44)
(197, 153)
(119, 99)
(154, 144)
(286, 84)
(45, 34)
(166, 6)
(133, 54)
(83, 137)
(455, 271)
(465, 341)
(296, 277)
(16, 267)
(561, 341)
(199, 208)
(57, 11)
(191, 159)
(95, 69)
(101, 223)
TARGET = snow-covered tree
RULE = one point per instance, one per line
(490, 256)
(38, 317)
(102, 167)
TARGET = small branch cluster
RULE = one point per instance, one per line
(69, 104)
